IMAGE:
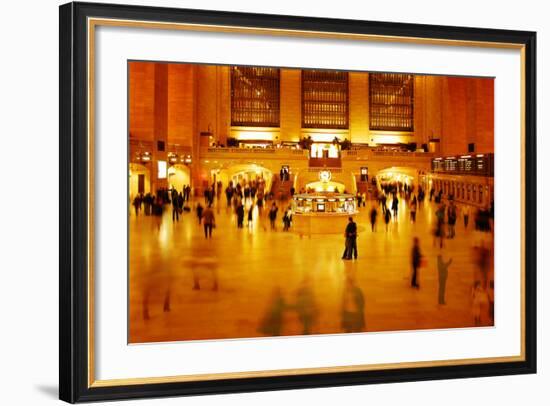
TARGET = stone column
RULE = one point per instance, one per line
(291, 105)
(359, 107)
(160, 125)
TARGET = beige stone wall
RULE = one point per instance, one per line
(291, 104)
(457, 111)
(224, 104)
(176, 102)
(206, 98)
(181, 104)
(213, 101)
(431, 107)
(454, 110)
(141, 99)
(359, 107)
(485, 119)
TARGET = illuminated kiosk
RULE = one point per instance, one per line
(324, 210)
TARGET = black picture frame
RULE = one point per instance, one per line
(74, 199)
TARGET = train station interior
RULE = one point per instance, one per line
(243, 182)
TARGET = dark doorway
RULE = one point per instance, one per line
(141, 183)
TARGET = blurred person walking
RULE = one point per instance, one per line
(209, 221)
(157, 211)
(480, 299)
(305, 306)
(200, 210)
(416, 258)
(240, 214)
(175, 208)
(451, 219)
(229, 193)
(353, 308)
(395, 205)
(373, 214)
(273, 215)
(250, 214)
(442, 272)
(287, 219)
(414, 205)
(439, 231)
(137, 204)
(272, 322)
(466, 215)
(387, 217)
(483, 262)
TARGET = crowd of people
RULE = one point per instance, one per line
(241, 197)
(304, 304)
(446, 212)
(248, 197)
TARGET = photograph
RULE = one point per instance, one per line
(272, 201)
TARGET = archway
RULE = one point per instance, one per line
(178, 176)
(398, 178)
(403, 174)
(242, 173)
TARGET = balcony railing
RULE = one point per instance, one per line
(221, 152)
(292, 153)
(325, 162)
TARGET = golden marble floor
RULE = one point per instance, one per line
(256, 281)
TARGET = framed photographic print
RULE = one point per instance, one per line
(258, 202)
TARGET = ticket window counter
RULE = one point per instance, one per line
(314, 204)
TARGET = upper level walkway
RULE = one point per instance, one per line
(395, 158)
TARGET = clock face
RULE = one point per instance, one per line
(325, 176)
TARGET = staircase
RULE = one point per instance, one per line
(281, 189)
(325, 162)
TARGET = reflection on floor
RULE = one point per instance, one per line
(255, 281)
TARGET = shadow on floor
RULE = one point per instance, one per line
(51, 391)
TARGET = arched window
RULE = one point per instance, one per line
(391, 101)
(324, 99)
(255, 96)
